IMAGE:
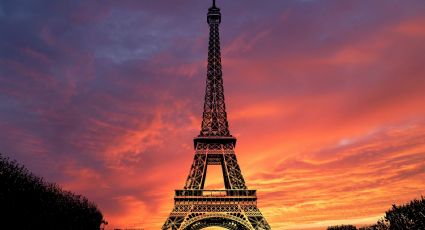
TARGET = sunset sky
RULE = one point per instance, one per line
(325, 97)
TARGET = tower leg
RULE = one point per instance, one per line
(176, 217)
(196, 178)
(233, 172)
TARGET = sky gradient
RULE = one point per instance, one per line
(326, 99)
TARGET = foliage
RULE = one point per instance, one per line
(28, 202)
(382, 224)
(408, 216)
(342, 227)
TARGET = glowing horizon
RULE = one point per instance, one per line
(325, 98)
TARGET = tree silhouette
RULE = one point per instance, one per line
(408, 216)
(382, 224)
(342, 227)
(28, 202)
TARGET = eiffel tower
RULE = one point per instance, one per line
(234, 208)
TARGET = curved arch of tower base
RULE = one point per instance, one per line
(217, 220)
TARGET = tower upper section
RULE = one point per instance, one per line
(214, 15)
(214, 117)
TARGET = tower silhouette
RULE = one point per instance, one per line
(235, 207)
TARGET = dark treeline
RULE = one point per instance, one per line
(28, 202)
(343, 227)
(410, 216)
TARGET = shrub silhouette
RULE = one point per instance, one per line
(342, 227)
(28, 202)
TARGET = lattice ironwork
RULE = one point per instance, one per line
(216, 219)
(258, 222)
(236, 206)
(173, 222)
(233, 172)
(214, 118)
(214, 146)
(200, 215)
(196, 177)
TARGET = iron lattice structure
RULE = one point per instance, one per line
(235, 207)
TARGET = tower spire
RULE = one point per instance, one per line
(214, 117)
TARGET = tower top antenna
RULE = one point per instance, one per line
(214, 4)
